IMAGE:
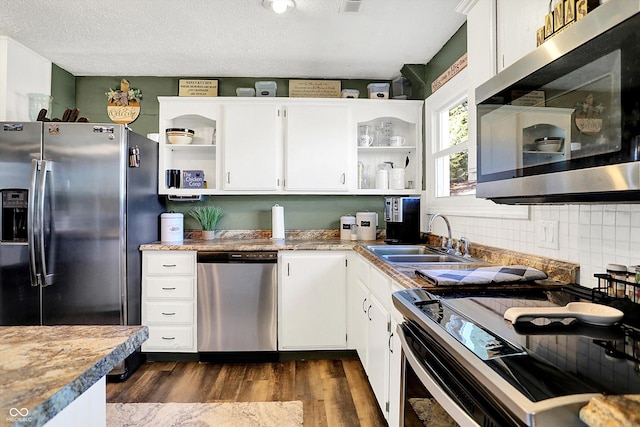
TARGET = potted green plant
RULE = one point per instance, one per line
(208, 217)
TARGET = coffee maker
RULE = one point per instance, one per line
(402, 215)
(14, 215)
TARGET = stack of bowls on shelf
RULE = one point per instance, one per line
(180, 136)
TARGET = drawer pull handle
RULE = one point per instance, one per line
(168, 265)
(169, 314)
(168, 289)
(168, 338)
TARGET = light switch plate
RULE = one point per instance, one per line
(547, 234)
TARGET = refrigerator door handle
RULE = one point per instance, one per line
(45, 166)
(31, 222)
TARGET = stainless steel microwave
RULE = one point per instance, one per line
(562, 124)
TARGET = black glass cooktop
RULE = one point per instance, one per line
(542, 358)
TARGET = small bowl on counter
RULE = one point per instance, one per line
(549, 144)
(180, 136)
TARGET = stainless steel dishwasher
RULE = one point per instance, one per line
(237, 302)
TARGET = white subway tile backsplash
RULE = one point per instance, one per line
(591, 235)
(623, 218)
(609, 217)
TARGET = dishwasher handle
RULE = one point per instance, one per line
(246, 257)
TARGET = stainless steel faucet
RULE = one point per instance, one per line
(449, 239)
(466, 244)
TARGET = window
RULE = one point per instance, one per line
(450, 152)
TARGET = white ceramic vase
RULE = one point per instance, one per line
(208, 234)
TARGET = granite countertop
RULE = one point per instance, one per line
(45, 368)
(559, 272)
(253, 245)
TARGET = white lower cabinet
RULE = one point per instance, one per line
(395, 370)
(372, 333)
(312, 289)
(358, 322)
(169, 301)
(378, 351)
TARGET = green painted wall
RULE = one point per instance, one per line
(251, 211)
(92, 101)
(300, 212)
(421, 76)
(63, 91)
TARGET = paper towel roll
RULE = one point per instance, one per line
(277, 222)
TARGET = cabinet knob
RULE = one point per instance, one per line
(228, 177)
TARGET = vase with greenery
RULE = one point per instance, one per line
(208, 217)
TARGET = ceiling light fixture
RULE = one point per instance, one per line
(278, 6)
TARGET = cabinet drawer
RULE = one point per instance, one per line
(160, 312)
(170, 338)
(169, 262)
(362, 269)
(169, 287)
(380, 286)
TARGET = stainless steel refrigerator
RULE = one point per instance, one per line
(77, 201)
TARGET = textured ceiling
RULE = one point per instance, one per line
(231, 38)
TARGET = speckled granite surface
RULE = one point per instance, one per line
(250, 240)
(214, 414)
(45, 368)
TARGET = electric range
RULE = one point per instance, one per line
(486, 371)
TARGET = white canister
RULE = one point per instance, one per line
(366, 222)
(382, 179)
(396, 179)
(346, 222)
(172, 227)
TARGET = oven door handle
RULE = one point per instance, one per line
(432, 385)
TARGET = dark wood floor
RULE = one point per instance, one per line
(333, 392)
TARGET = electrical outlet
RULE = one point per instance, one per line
(547, 234)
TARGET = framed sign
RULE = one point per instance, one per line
(314, 88)
(198, 88)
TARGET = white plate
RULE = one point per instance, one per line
(587, 312)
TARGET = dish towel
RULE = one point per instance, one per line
(482, 275)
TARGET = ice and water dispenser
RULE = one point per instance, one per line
(14, 215)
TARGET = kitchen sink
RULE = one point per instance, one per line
(383, 250)
(417, 254)
(424, 258)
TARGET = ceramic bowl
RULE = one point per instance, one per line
(549, 144)
(180, 136)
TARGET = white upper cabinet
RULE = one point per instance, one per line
(317, 147)
(517, 24)
(288, 145)
(387, 123)
(252, 147)
(203, 117)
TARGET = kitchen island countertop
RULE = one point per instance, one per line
(46, 368)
